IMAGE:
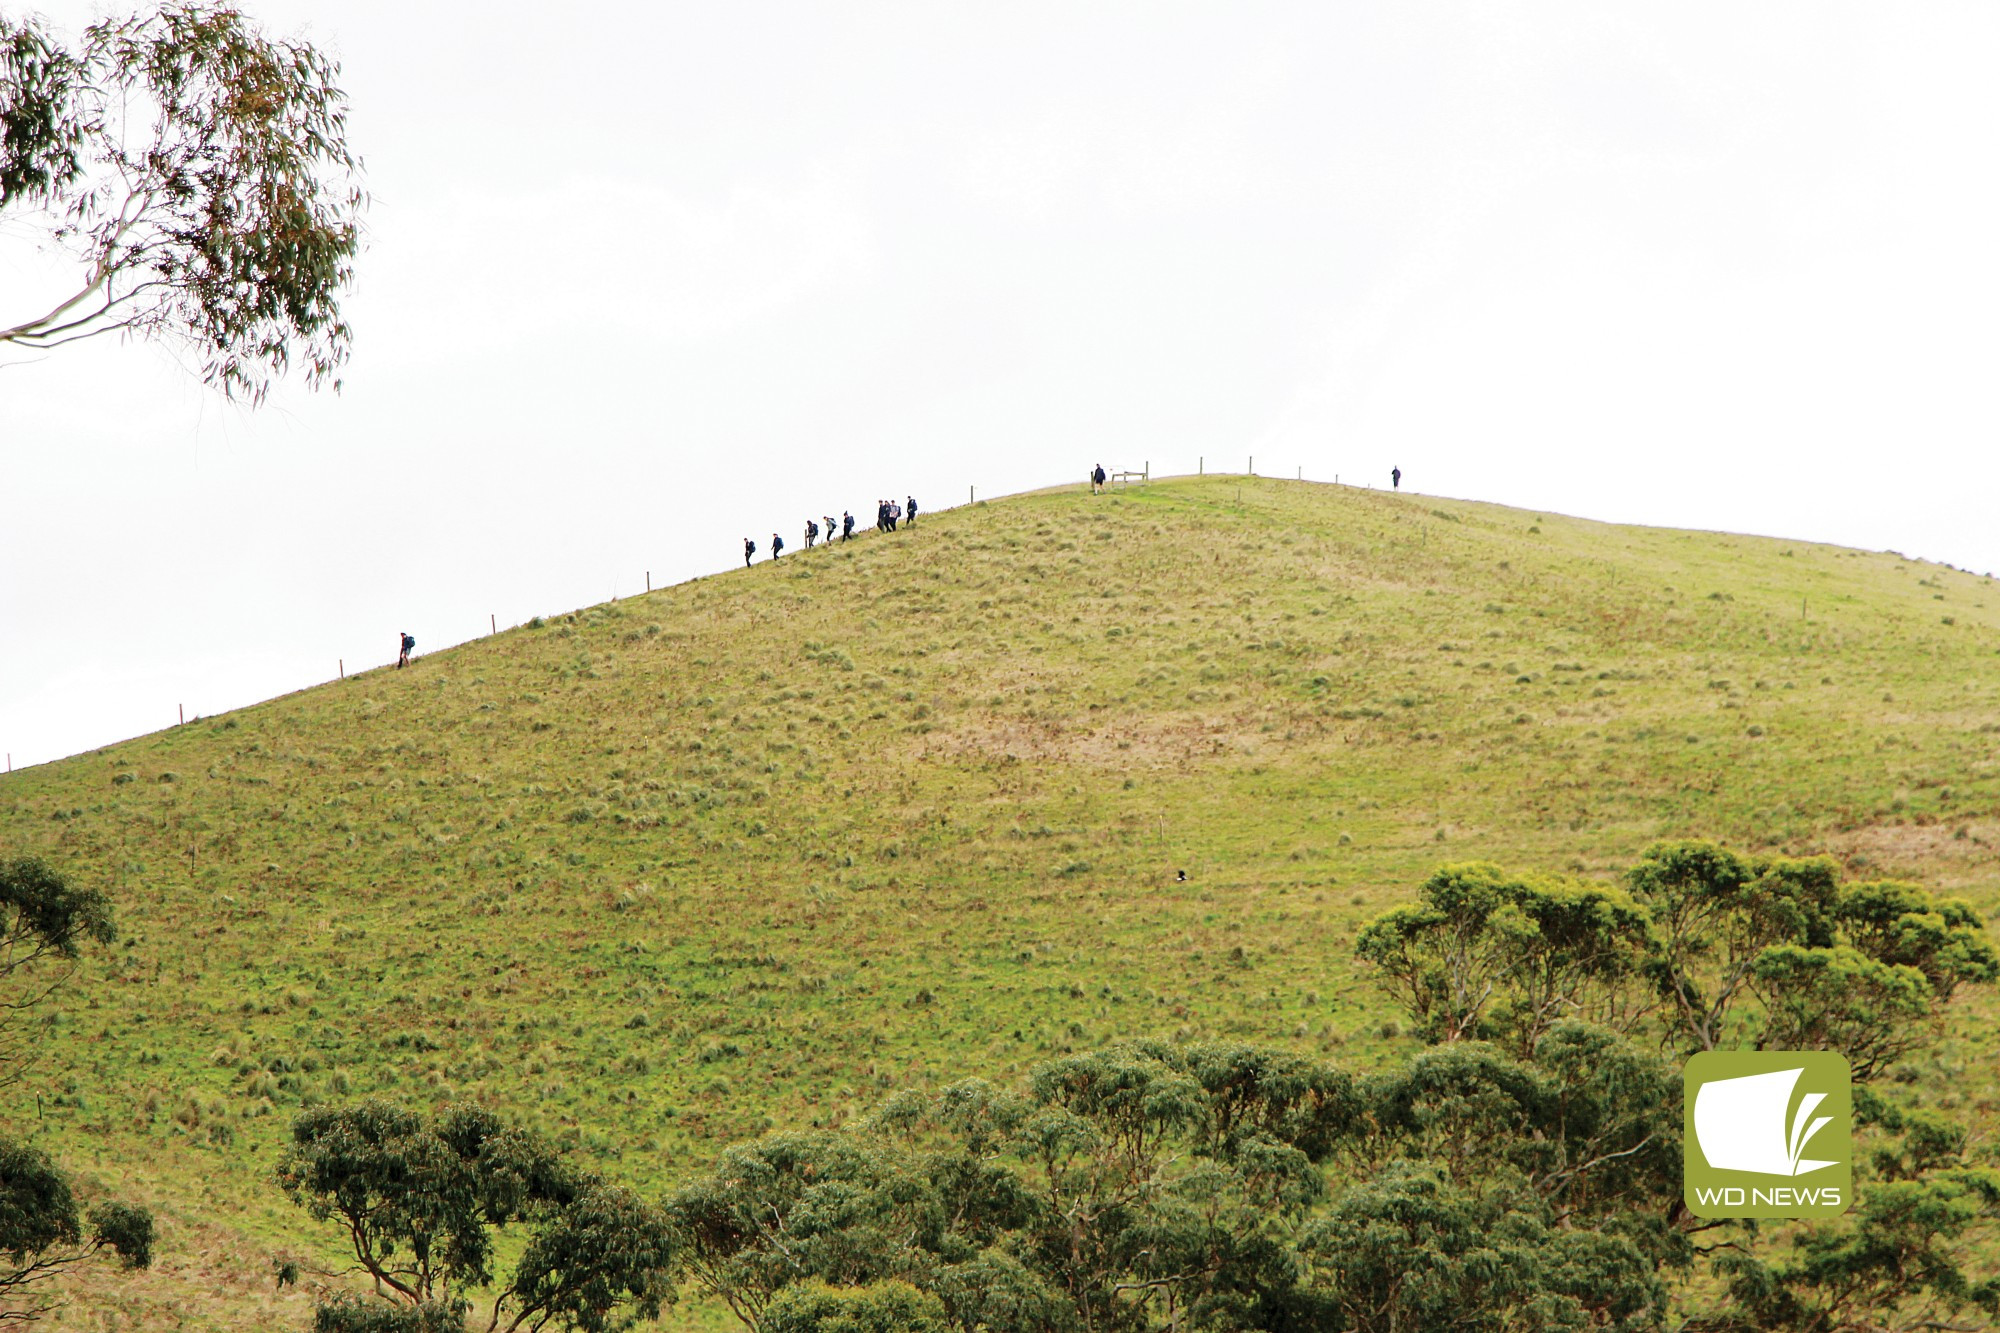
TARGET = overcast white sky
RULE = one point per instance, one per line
(643, 279)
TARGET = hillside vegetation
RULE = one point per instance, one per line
(753, 851)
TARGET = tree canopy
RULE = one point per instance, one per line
(1761, 951)
(198, 172)
(421, 1200)
(1159, 1186)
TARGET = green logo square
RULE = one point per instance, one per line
(1768, 1134)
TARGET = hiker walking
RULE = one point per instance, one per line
(403, 658)
(895, 515)
(777, 546)
(831, 526)
(1097, 479)
(1395, 479)
(846, 525)
(911, 520)
(749, 549)
(812, 531)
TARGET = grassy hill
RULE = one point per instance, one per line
(754, 850)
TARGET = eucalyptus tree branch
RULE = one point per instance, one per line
(199, 172)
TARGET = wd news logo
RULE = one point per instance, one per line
(1769, 1134)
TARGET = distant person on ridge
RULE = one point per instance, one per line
(831, 526)
(895, 515)
(911, 520)
(846, 525)
(1097, 479)
(403, 658)
(777, 546)
(749, 549)
(812, 531)
(1395, 479)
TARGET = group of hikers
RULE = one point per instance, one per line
(888, 515)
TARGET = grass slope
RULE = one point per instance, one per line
(753, 850)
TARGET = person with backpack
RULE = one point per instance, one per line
(812, 531)
(749, 549)
(911, 521)
(403, 659)
(1395, 479)
(846, 524)
(777, 546)
(895, 515)
(1097, 479)
(831, 526)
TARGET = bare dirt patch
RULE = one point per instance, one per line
(1151, 742)
(1944, 855)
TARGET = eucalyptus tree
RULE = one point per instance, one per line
(1485, 952)
(1155, 1186)
(420, 1202)
(197, 175)
(1734, 951)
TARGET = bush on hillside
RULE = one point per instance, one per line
(890, 1307)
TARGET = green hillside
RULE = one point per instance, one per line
(754, 850)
